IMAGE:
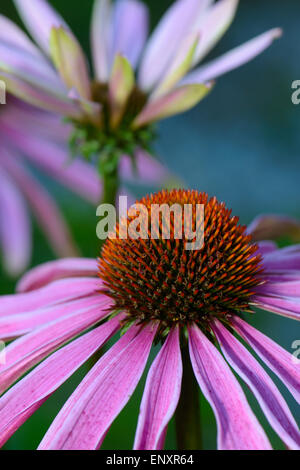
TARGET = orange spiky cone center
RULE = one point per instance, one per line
(159, 280)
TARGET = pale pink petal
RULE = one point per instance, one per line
(238, 428)
(57, 292)
(148, 169)
(42, 97)
(272, 226)
(30, 68)
(161, 395)
(233, 59)
(55, 270)
(39, 17)
(266, 392)
(101, 38)
(15, 230)
(86, 417)
(213, 25)
(79, 176)
(27, 351)
(10, 32)
(175, 25)
(46, 211)
(29, 394)
(129, 30)
(176, 101)
(281, 362)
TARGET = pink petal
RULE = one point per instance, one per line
(86, 417)
(55, 270)
(265, 391)
(16, 325)
(175, 25)
(129, 30)
(39, 17)
(213, 25)
(42, 97)
(15, 230)
(234, 58)
(46, 211)
(176, 101)
(284, 259)
(161, 395)
(286, 306)
(57, 292)
(80, 177)
(28, 350)
(10, 32)
(101, 38)
(29, 394)
(272, 226)
(238, 428)
(30, 68)
(277, 359)
(266, 247)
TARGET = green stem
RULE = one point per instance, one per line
(111, 185)
(187, 416)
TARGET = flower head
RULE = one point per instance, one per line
(58, 301)
(136, 82)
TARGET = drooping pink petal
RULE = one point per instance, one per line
(283, 259)
(233, 59)
(55, 270)
(19, 324)
(266, 392)
(42, 97)
(129, 30)
(29, 68)
(101, 38)
(176, 101)
(213, 25)
(281, 362)
(148, 169)
(22, 400)
(80, 177)
(10, 32)
(238, 428)
(86, 417)
(27, 351)
(161, 395)
(46, 211)
(15, 230)
(273, 226)
(39, 17)
(57, 292)
(175, 25)
(285, 306)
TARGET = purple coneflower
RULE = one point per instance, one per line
(190, 302)
(136, 82)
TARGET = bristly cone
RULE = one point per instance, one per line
(159, 280)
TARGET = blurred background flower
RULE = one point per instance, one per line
(242, 144)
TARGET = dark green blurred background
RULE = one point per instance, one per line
(241, 144)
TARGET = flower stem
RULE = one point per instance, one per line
(187, 416)
(109, 171)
